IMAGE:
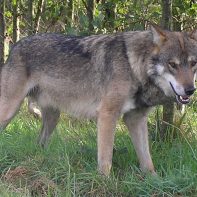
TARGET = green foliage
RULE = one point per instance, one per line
(109, 15)
(185, 14)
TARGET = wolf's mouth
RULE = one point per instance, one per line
(179, 98)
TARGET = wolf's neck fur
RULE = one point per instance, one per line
(139, 51)
(150, 95)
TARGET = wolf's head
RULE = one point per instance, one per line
(174, 62)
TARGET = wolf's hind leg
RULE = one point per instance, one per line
(136, 121)
(50, 118)
(13, 92)
(8, 109)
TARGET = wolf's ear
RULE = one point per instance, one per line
(159, 36)
(193, 35)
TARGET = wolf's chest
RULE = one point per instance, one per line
(150, 95)
(128, 105)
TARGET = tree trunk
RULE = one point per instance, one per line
(30, 17)
(38, 16)
(166, 20)
(90, 14)
(168, 108)
(70, 13)
(16, 30)
(2, 33)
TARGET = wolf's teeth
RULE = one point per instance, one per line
(184, 99)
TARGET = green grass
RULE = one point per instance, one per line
(67, 167)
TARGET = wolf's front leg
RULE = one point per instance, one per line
(106, 123)
(136, 121)
(50, 117)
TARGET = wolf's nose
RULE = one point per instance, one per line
(189, 91)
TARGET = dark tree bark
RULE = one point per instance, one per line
(30, 17)
(166, 20)
(2, 33)
(90, 5)
(90, 14)
(168, 108)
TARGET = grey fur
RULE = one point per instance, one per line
(98, 77)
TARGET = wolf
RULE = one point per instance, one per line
(101, 77)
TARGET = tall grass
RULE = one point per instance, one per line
(68, 166)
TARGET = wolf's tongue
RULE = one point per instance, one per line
(185, 97)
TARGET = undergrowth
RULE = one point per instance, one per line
(68, 166)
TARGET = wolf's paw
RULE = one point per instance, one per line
(104, 169)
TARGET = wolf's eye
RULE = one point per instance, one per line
(193, 63)
(172, 65)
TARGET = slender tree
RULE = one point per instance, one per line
(70, 13)
(30, 17)
(168, 108)
(90, 6)
(90, 13)
(166, 20)
(2, 32)
(16, 30)
(38, 15)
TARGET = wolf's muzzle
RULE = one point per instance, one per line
(189, 91)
